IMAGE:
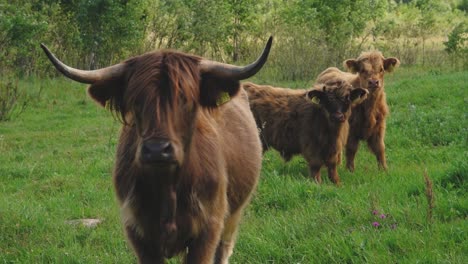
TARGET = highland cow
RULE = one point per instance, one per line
(308, 122)
(180, 181)
(367, 121)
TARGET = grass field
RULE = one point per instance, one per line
(56, 160)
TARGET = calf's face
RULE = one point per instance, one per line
(371, 68)
(336, 98)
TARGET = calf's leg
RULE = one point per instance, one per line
(333, 173)
(314, 172)
(377, 146)
(352, 146)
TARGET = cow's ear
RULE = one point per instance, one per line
(107, 93)
(315, 96)
(215, 91)
(358, 95)
(352, 65)
(391, 63)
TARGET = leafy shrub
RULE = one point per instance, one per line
(10, 105)
(457, 39)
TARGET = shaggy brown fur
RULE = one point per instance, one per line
(367, 121)
(193, 204)
(308, 122)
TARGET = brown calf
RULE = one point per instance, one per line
(181, 182)
(308, 122)
(367, 122)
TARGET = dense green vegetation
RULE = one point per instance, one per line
(310, 34)
(56, 165)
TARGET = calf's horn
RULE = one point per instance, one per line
(236, 72)
(83, 76)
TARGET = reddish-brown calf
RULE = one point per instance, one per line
(308, 122)
(367, 121)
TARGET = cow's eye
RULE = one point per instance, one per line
(381, 70)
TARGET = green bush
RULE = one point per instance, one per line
(10, 103)
(310, 35)
(457, 39)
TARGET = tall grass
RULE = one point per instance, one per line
(56, 160)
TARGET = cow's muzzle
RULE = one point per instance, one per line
(157, 151)
(338, 117)
(373, 83)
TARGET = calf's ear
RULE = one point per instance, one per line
(216, 91)
(358, 95)
(391, 63)
(352, 65)
(315, 96)
(108, 93)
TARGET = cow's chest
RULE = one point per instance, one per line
(172, 218)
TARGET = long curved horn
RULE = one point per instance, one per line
(236, 72)
(82, 75)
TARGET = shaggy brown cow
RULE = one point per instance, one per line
(308, 122)
(181, 182)
(367, 121)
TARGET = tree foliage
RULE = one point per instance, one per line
(310, 34)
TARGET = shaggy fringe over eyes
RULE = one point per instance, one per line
(158, 80)
(337, 86)
(370, 55)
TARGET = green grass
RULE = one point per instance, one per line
(56, 161)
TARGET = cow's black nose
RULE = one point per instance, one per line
(157, 151)
(338, 116)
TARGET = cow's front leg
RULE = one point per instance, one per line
(228, 239)
(203, 248)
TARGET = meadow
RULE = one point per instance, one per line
(56, 160)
